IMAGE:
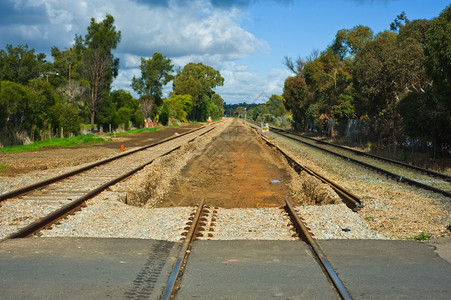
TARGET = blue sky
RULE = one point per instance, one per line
(246, 40)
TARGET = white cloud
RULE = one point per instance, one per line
(242, 85)
(178, 30)
(124, 79)
(58, 16)
(131, 61)
(191, 31)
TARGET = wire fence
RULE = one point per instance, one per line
(371, 134)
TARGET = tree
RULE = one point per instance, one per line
(390, 67)
(426, 109)
(398, 81)
(66, 117)
(164, 114)
(372, 73)
(100, 66)
(426, 118)
(348, 42)
(219, 102)
(409, 59)
(257, 113)
(42, 106)
(298, 67)
(155, 73)
(438, 57)
(68, 63)
(178, 107)
(276, 106)
(318, 90)
(239, 112)
(198, 80)
(75, 92)
(20, 112)
(297, 96)
(20, 64)
(119, 109)
(397, 23)
(385, 71)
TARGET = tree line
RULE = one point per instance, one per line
(273, 111)
(40, 99)
(397, 83)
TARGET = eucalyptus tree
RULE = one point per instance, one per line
(348, 42)
(199, 81)
(156, 72)
(426, 110)
(438, 56)
(99, 64)
(20, 64)
(219, 102)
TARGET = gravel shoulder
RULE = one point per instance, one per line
(394, 209)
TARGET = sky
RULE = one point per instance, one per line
(246, 40)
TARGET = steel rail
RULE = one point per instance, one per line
(351, 200)
(46, 182)
(394, 176)
(51, 218)
(171, 287)
(339, 288)
(74, 205)
(358, 152)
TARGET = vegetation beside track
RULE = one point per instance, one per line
(135, 131)
(55, 142)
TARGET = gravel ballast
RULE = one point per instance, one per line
(107, 217)
(394, 209)
(334, 221)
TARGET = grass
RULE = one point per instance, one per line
(2, 167)
(72, 141)
(88, 126)
(421, 237)
(56, 142)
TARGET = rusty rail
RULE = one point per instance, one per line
(361, 153)
(172, 286)
(351, 200)
(51, 218)
(304, 234)
(392, 175)
(46, 182)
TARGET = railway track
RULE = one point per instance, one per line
(197, 228)
(202, 226)
(211, 222)
(350, 199)
(401, 172)
(57, 197)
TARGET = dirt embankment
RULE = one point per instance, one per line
(236, 169)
